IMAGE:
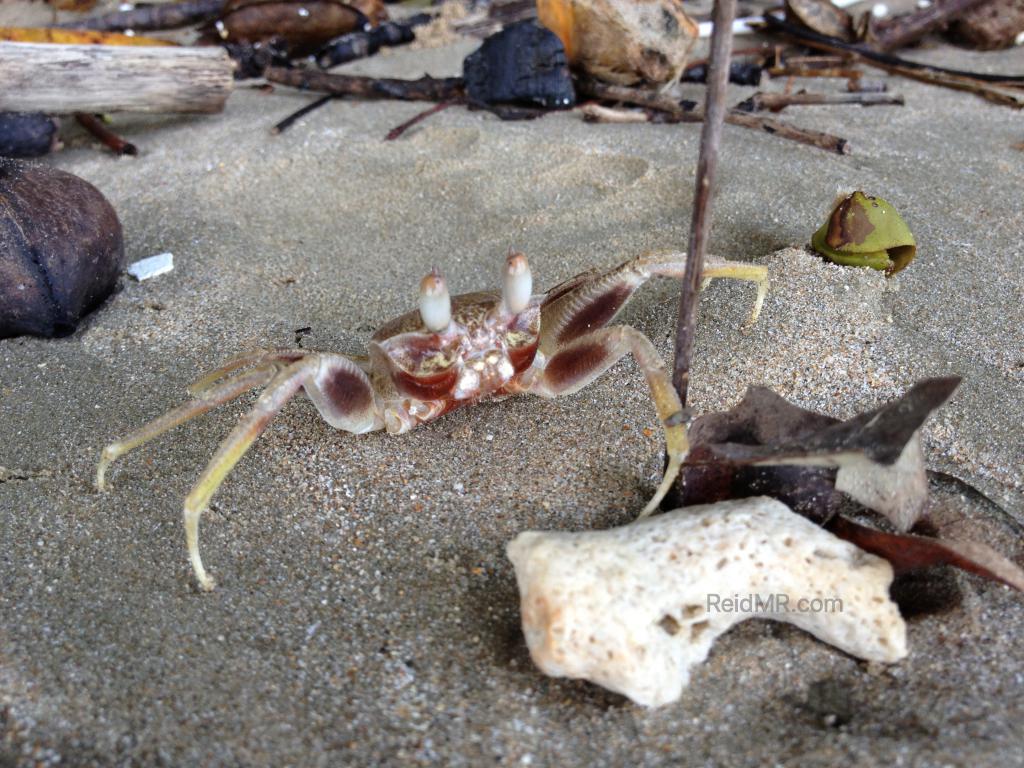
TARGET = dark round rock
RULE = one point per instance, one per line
(525, 63)
(27, 134)
(61, 249)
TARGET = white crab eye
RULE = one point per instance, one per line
(435, 303)
(518, 285)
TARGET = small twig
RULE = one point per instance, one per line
(890, 34)
(687, 112)
(161, 16)
(398, 130)
(1001, 89)
(796, 71)
(700, 223)
(595, 113)
(778, 101)
(110, 139)
(298, 114)
(859, 85)
(423, 89)
(806, 62)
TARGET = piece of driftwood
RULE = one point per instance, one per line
(690, 113)
(357, 45)
(60, 79)
(778, 101)
(161, 16)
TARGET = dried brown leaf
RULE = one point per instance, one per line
(907, 552)
(766, 445)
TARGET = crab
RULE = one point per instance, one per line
(451, 352)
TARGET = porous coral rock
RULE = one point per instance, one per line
(635, 608)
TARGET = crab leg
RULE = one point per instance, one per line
(280, 390)
(210, 397)
(581, 361)
(242, 361)
(340, 391)
(592, 300)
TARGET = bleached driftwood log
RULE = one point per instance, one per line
(58, 79)
(634, 608)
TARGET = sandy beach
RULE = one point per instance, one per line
(365, 611)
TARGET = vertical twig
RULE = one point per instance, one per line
(700, 224)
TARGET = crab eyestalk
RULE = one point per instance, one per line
(435, 303)
(518, 283)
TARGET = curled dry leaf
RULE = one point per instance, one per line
(908, 552)
(766, 445)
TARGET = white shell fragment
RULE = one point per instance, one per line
(634, 608)
(154, 266)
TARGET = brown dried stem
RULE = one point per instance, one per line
(115, 143)
(680, 112)
(398, 130)
(778, 101)
(700, 222)
(1001, 89)
(423, 89)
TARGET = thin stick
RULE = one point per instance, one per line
(110, 139)
(700, 223)
(423, 89)
(398, 130)
(687, 113)
(595, 113)
(778, 101)
(797, 71)
(1001, 89)
(298, 114)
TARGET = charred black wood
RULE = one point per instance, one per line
(740, 73)
(525, 63)
(251, 59)
(358, 45)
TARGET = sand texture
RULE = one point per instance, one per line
(366, 612)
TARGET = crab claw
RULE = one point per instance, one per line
(518, 284)
(435, 303)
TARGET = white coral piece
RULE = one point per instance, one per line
(634, 608)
